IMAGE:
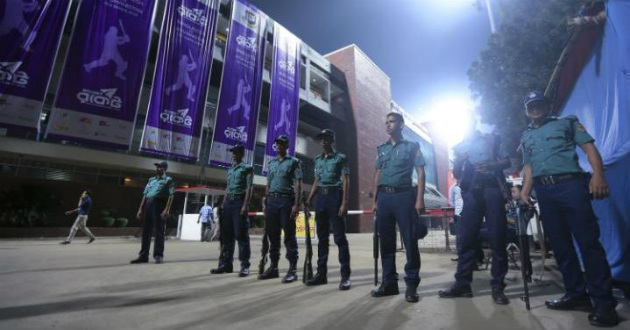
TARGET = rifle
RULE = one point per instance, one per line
(308, 266)
(265, 248)
(522, 211)
(375, 247)
(264, 251)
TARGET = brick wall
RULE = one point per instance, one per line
(370, 96)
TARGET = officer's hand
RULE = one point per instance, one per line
(526, 199)
(139, 215)
(164, 214)
(598, 187)
(68, 212)
(420, 207)
(294, 211)
(343, 210)
(244, 210)
(374, 207)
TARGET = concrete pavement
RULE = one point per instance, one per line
(45, 285)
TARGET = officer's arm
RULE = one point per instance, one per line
(377, 174)
(139, 214)
(598, 186)
(527, 184)
(345, 184)
(421, 183)
(171, 190)
(313, 191)
(167, 209)
(248, 192)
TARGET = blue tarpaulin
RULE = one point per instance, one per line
(601, 99)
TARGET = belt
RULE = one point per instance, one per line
(393, 190)
(281, 195)
(327, 190)
(482, 183)
(235, 197)
(549, 180)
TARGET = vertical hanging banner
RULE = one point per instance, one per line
(30, 32)
(100, 85)
(239, 99)
(180, 84)
(284, 101)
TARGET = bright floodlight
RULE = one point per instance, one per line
(452, 118)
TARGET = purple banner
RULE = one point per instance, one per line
(180, 84)
(30, 32)
(284, 103)
(100, 85)
(236, 118)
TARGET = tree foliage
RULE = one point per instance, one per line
(520, 57)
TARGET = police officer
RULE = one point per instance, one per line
(331, 187)
(479, 164)
(235, 223)
(153, 211)
(284, 184)
(395, 203)
(564, 192)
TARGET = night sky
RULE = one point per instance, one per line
(425, 46)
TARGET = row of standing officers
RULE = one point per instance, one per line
(550, 167)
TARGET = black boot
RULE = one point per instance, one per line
(291, 275)
(318, 279)
(386, 290)
(271, 272)
(411, 294)
(222, 269)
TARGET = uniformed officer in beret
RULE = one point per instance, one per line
(284, 184)
(153, 211)
(235, 222)
(395, 204)
(479, 164)
(331, 187)
(564, 194)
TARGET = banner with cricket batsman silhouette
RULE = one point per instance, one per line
(284, 101)
(100, 85)
(30, 32)
(182, 73)
(236, 118)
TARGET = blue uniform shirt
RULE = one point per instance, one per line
(282, 173)
(397, 162)
(329, 170)
(86, 205)
(481, 148)
(159, 187)
(550, 148)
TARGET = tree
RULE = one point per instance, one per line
(520, 57)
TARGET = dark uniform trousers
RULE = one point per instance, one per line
(397, 208)
(236, 227)
(278, 217)
(478, 202)
(205, 231)
(566, 212)
(327, 215)
(152, 219)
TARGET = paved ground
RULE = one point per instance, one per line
(44, 285)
